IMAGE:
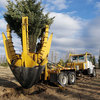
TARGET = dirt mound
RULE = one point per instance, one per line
(19, 92)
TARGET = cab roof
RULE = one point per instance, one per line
(80, 54)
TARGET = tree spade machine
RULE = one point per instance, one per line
(27, 67)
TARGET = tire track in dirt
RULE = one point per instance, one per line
(86, 88)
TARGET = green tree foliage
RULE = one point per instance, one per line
(99, 62)
(91, 58)
(94, 60)
(37, 19)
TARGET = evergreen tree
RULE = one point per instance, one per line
(91, 58)
(99, 62)
(94, 60)
(37, 19)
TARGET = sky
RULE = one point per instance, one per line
(76, 26)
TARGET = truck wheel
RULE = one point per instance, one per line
(63, 79)
(71, 78)
(94, 73)
(88, 71)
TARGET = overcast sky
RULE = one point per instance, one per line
(76, 26)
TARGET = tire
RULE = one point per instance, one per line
(94, 73)
(88, 72)
(63, 79)
(71, 78)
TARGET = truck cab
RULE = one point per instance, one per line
(82, 63)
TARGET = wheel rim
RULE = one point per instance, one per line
(94, 73)
(64, 80)
(72, 78)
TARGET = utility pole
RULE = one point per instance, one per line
(55, 57)
(52, 56)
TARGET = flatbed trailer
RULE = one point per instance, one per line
(60, 75)
(67, 75)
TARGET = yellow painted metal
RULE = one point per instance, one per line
(8, 32)
(10, 43)
(46, 44)
(9, 48)
(80, 64)
(27, 59)
(8, 56)
(80, 54)
(86, 60)
(46, 72)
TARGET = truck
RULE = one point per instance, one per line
(60, 75)
(82, 63)
(30, 67)
(64, 75)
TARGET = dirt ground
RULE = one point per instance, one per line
(86, 88)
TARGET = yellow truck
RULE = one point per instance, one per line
(60, 75)
(82, 63)
(30, 67)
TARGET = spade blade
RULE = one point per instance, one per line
(27, 77)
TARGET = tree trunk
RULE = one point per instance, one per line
(32, 43)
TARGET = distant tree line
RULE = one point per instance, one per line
(99, 62)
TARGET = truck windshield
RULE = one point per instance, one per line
(74, 58)
(81, 57)
(78, 58)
